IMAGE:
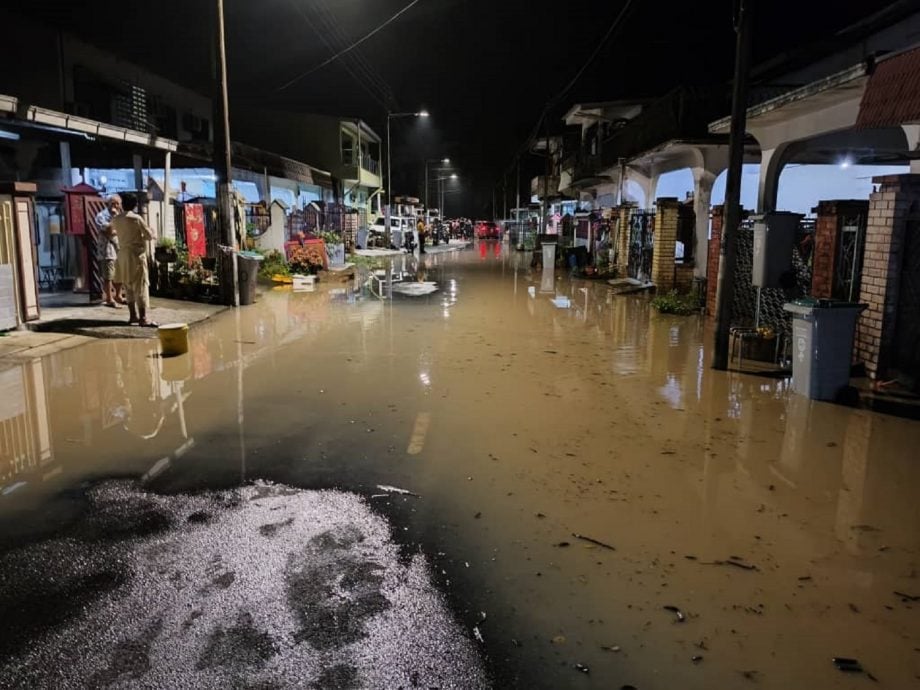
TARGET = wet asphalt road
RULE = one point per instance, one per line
(516, 424)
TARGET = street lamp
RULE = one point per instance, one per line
(443, 161)
(390, 116)
(439, 180)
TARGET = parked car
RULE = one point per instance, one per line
(399, 225)
(487, 230)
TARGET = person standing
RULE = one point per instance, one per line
(421, 235)
(133, 235)
(111, 291)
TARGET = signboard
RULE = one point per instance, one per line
(194, 230)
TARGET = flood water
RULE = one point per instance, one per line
(780, 528)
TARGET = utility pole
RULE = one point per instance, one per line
(222, 162)
(728, 257)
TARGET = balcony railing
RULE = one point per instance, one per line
(370, 164)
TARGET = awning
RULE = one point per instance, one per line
(43, 117)
(892, 96)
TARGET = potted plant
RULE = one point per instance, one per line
(165, 251)
(335, 248)
(305, 260)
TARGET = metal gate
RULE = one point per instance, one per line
(906, 360)
(641, 245)
(851, 240)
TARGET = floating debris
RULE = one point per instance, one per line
(847, 665)
(478, 635)
(737, 563)
(559, 639)
(864, 528)
(696, 658)
(562, 545)
(396, 490)
(907, 597)
(591, 540)
(581, 667)
(677, 612)
(611, 648)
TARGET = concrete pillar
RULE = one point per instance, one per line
(712, 261)
(138, 171)
(702, 200)
(771, 165)
(827, 234)
(886, 233)
(652, 193)
(66, 164)
(665, 244)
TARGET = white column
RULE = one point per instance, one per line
(703, 180)
(169, 226)
(771, 165)
(652, 193)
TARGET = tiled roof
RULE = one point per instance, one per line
(892, 96)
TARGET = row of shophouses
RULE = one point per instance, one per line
(833, 130)
(77, 123)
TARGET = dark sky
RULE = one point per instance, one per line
(483, 68)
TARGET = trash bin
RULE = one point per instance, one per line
(822, 345)
(247, 271)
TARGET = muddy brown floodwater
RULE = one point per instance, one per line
(780, 528)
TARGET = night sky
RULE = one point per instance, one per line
(483, 68)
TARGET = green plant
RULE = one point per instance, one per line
(331, 238)
(273, 264)
(166, 243)
(675, 303)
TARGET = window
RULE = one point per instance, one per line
(348, 149)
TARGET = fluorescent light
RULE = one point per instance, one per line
(453, 176)
(12, 136)
(423, 113)
(445, 161)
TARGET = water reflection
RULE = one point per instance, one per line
(603, 416)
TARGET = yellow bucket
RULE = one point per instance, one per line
(173, 339)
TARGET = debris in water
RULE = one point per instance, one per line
(805, 578)
(559, 639)
(612, 648)
(540, 515)
(854, 608)
(628, 687)
(582, 668)
(696, 658)
(477, 516)
(677, 612)
(749, 675)
(847, 665)
(907, 597)
(591, 540)
(478, 635)
(562, 544)
(736, 563)
(396, 490)
(865, 528)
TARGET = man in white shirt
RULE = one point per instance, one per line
(111, 291)
(133, 235)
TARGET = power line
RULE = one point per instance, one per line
(351, 47)
(327, 18)
(568, 87)
(361, 82)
